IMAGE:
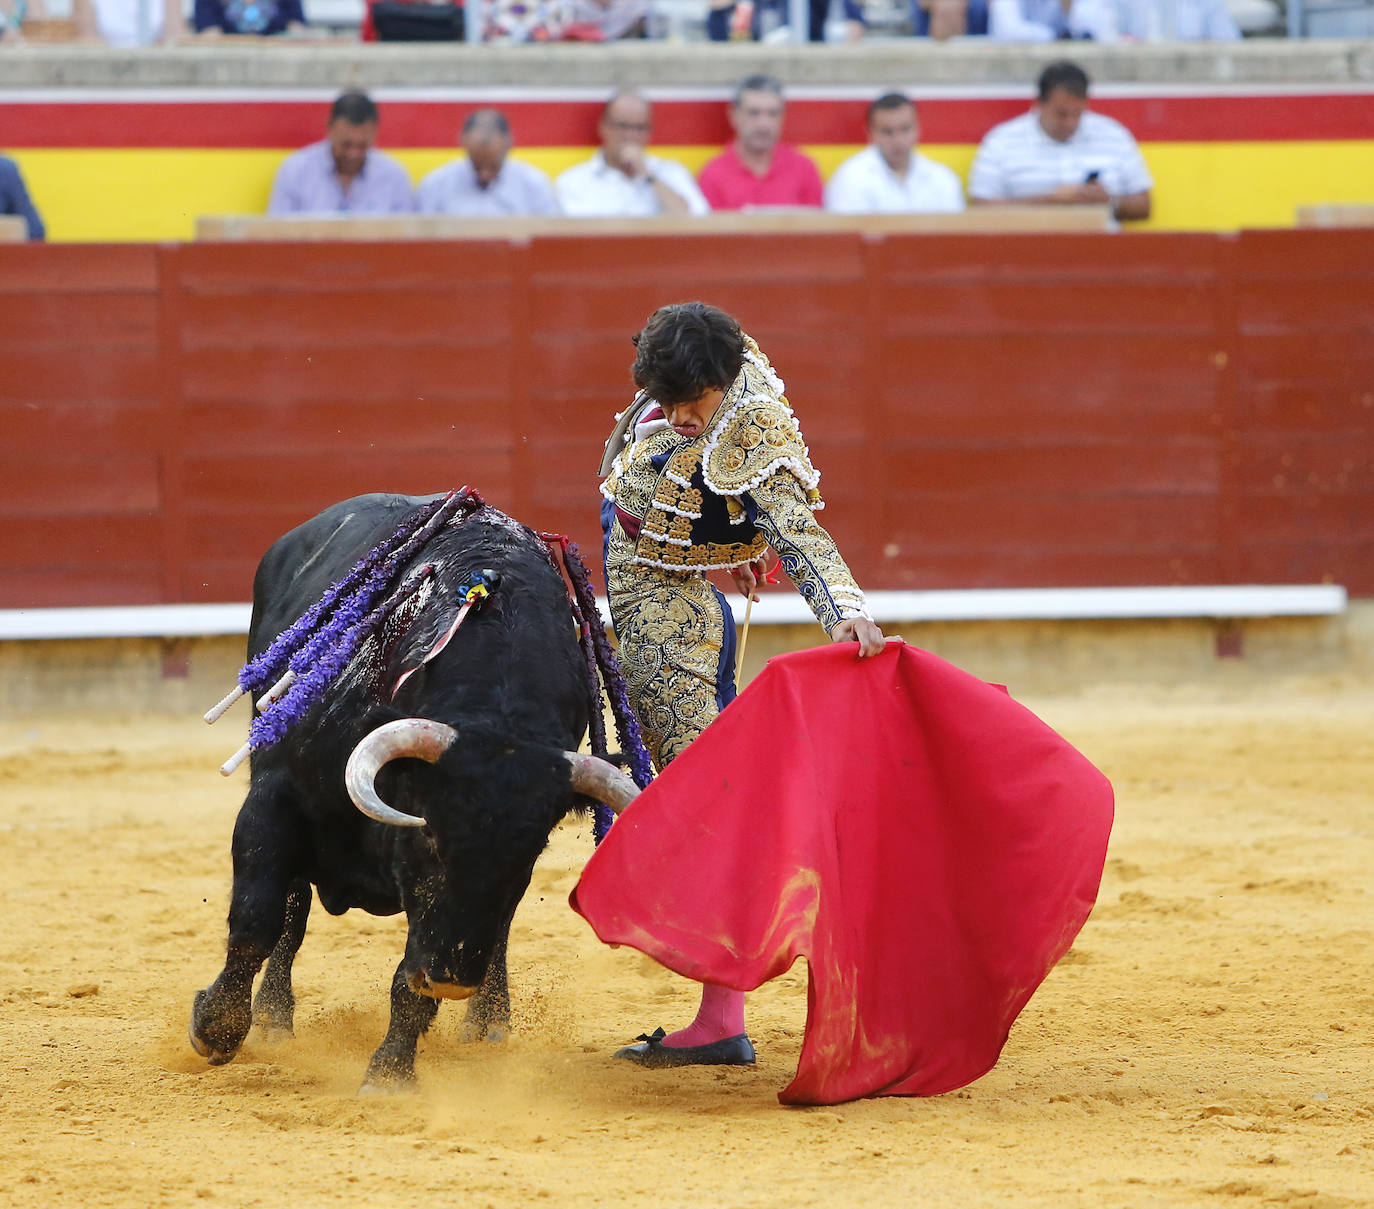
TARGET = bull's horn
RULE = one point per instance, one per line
(417, 738)
(596, 778)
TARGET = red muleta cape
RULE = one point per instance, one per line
(929, 845)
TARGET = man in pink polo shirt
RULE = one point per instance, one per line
(756, 169)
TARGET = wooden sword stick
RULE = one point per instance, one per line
(744, 637)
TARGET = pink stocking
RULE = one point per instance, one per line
(720, 1015)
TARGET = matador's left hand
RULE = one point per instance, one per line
(747, 578)
(859, 629)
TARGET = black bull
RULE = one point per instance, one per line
(514, 686)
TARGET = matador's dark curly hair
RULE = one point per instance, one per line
(685, 350)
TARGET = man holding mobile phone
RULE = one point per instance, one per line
(1061, 153)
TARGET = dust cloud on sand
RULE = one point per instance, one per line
(1209, 1040)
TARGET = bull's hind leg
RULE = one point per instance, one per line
(266, 849)
(274, 1006)
(488, 1014)
(393, 1065)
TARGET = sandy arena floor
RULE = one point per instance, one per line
(1209, 1041)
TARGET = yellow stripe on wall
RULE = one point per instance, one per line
(141, 195)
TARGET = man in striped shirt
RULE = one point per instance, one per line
(1061, 153)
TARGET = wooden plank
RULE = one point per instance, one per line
(1015, 365)
(1302, 255)
(341, 429)
(1305, 406)
(46, 319)
(1124, 522)
(469, 316)
(976, 260)
(218, 490)
(62, 374)
(992, 219)
(1057, 310)
(63, 484)
(1336, 214)
(1310, 464)
(379, 269)
(1293, 356)
(1348, 560)
(106, 428)
(77, 268)
(441, 376)
(1314, 305)
(118, 583)
(1022, 567)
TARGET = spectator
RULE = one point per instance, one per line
(756, 169)
(486, 184)
(890, 176)
(12, 14)
(343, 172)
(263, 17)
(941, 19)
(767, 17)
(622, 180)
(1050, 20)
(1175, 20)
(129, 23)
(14, 198)
(1061, 153)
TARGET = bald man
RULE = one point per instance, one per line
(486, 183)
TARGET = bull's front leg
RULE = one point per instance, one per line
(266, 847)
(274, 1006)
(488, 1014)
(393, 1065)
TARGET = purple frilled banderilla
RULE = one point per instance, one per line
(306, 657)
(602, 668)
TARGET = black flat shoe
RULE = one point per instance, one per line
(653, 1054)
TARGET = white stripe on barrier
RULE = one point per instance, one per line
(775, 608)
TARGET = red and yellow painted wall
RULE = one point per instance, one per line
(142, 166)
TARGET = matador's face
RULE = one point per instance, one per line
(690, 419)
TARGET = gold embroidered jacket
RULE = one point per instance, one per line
(720, 499)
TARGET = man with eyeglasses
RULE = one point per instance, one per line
(622, 180)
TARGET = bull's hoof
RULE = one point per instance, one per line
(389, 1072)
(216, 1036)
(271, 1015)
(493, 1031)
(386, 1087)
(273, 1034)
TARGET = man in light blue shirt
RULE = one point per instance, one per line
(14, 198)
(343, 173)
(487, 184)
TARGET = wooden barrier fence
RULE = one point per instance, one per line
(987, 410)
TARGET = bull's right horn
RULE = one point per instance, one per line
(417, 738)
(599, 779)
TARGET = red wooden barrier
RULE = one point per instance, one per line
(986, 410)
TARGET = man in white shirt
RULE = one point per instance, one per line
(1060, 153)
(1050, 20)
(622, 180)
(487, 184)
(890, 176)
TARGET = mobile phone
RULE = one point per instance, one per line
(1091, 178)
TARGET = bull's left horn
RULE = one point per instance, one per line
(416, 738)
(599, 779)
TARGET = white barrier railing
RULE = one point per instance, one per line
(775, 608)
